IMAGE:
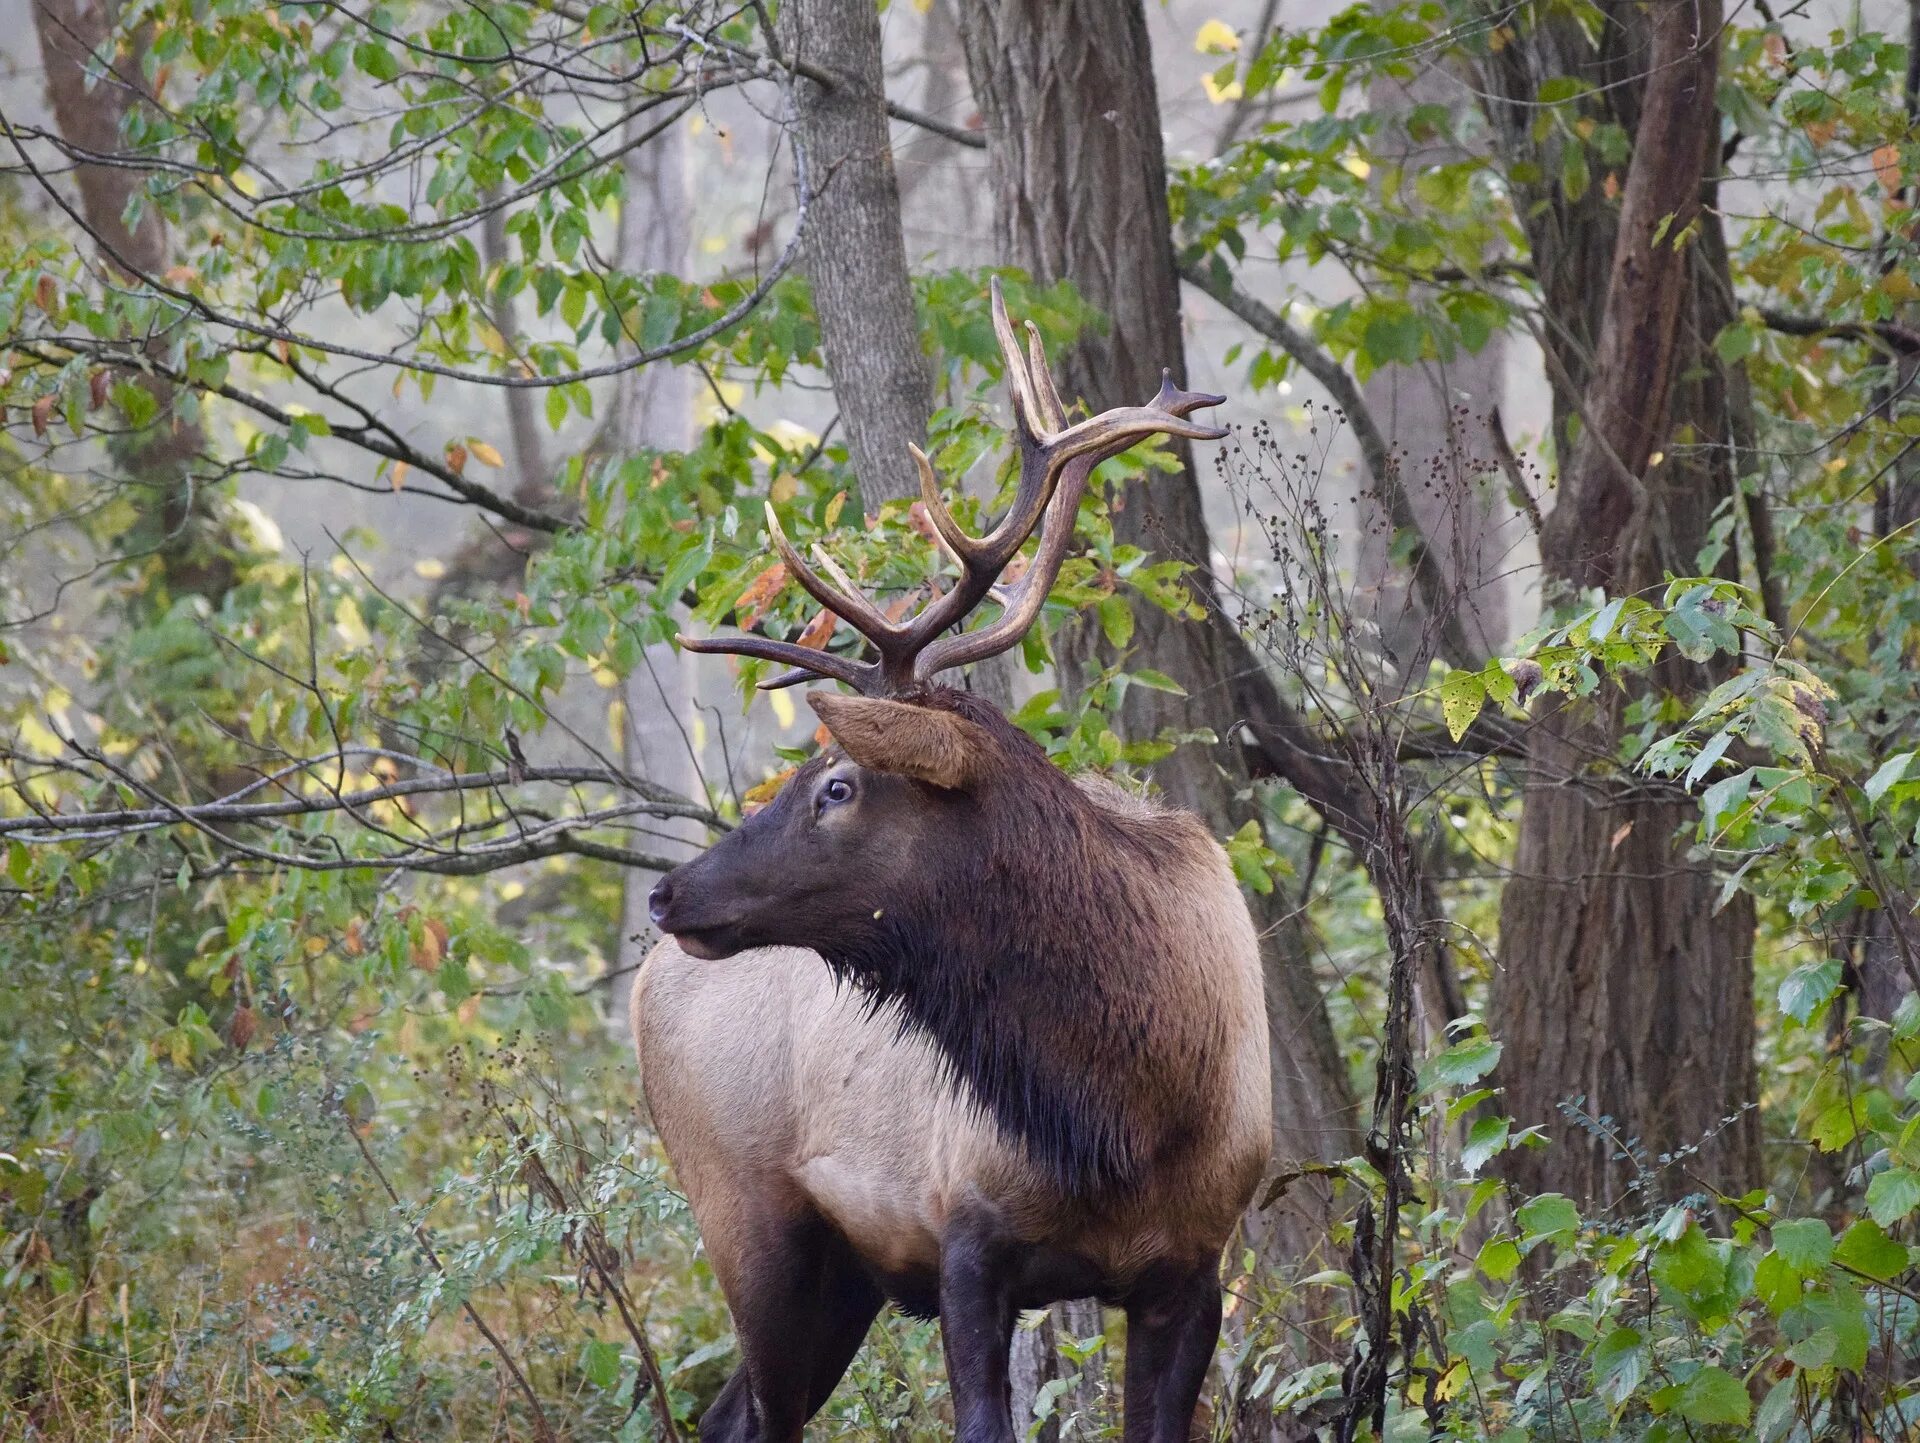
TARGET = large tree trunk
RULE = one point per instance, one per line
(1620, 984)
(1079, 182)
(856, 255)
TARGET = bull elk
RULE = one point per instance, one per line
(1034, 1063)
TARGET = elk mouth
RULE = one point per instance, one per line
(706, 944)
(667, 908)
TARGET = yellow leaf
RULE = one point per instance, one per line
(482, 451)
(1220, 94)
(1216, 37)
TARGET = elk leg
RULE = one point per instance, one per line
(1173, 1324)
(977, 1260)
(849, 1301)
(800, 1308)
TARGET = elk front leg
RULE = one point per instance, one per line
(977, 1262)
(1173, 1323)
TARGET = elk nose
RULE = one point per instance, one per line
(659, 899)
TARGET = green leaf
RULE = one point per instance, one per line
(600, 1361)
(1893, 1194)
(1711, 1395)
(1804, 1244)
(1891, 771)
(1736, 341)
(1462, 1063)
(1485, 1140)
(1723, 798)
(1156, 681)
(1499, 1259)
(1548, 1215)
(1867, 1249)
(1620, 1363)
(1808, 988)
(1394, 333)
(1462, 694)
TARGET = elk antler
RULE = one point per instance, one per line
(1056, 461)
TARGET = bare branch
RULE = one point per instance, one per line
(1429, 575)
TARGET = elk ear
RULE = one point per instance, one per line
(907, 740)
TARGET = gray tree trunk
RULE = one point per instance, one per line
(1434, 416)
(855, 255)
(653, 411)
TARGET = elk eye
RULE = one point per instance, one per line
(837, 790)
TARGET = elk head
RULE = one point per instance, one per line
(926, 784)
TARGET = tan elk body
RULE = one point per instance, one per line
(944, 1026)
(770, 1078)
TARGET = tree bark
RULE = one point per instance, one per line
(1078, 175)
(856, 255)
(1623, 992)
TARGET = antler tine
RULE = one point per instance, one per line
(962, 547)
(847, 604)
(1025, 404)
(859, 675)
(1053, 415)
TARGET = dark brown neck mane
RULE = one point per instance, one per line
(1030, 962)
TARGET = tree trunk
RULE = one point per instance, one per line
(183, 525)
(653, 411)
(1078, 176)
(855, 254)
(1435, 417)
(1620, 984)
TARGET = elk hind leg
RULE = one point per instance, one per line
(1173, 1325)
(801, 1307)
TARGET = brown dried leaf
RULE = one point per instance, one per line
(46, 294)
(42, 414)
(1886, 167)
(817, 631)
(920, 520)
(759, 595)
(397, 477)
(1620, 835)
(241, 1029)
(430, 949)
(356, 942)
(457, 458)
(97, 386)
